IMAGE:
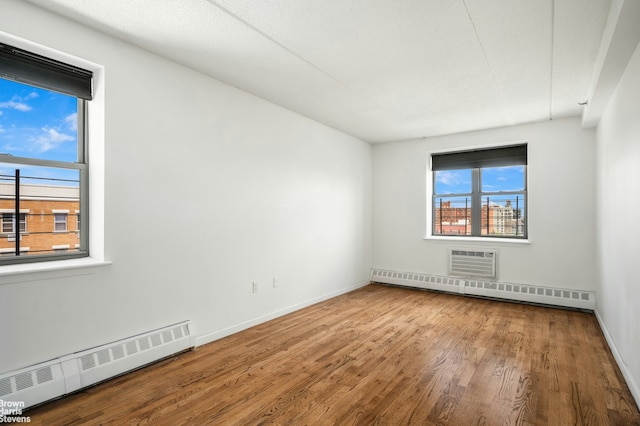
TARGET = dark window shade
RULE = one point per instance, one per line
(25, 67)
(515, 155)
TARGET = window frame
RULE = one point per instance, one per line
(56, 222)
(477, 194)
(13, 223)
(47, 62)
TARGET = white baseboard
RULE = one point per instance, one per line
(631, 383)
(227, 331)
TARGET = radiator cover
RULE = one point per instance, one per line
(556, 296)
(39, 383)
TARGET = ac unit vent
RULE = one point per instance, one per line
(465, 263)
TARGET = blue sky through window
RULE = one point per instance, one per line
(37, 123)
(497, 179)
(453, 181)
(494, 179)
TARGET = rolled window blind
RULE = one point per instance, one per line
(513, 155)
(36, 70)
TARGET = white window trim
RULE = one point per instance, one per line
(474, 240)
(11, 250)
(54, 265)
(11, 211)
(96, 153)
(428, 231)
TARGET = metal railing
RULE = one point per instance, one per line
(40, 201)
(500, 216)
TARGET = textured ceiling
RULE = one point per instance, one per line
(380, 70)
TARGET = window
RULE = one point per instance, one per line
(9, 223)
(480, 193)
(43, 161)
(60, 222)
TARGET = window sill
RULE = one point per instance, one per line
(55, 265)
(478, 240)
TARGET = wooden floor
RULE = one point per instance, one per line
(379, 355)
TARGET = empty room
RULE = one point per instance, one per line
(319, 212)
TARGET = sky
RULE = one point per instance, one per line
(37, 123)
(494, 179)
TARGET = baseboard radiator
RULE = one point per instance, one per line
(48, 380)
(580, 299)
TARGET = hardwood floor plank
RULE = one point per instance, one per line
(379, 355)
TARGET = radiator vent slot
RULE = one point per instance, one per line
(475, 264)
(5, 386)
(44, 375)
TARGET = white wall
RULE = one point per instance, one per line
(561, 177)
(207, 189)
(618, 149)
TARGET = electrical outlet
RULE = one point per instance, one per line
(275, 282)
(255, 287)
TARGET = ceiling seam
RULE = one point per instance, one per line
(486, 59)
(276, 42)
(306, 61)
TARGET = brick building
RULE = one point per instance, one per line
(496, 219)
(49, 219)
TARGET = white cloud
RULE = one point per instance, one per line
(19, 103)
(51, 138)
(452, 177)
(71, 120)
(15, 104)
